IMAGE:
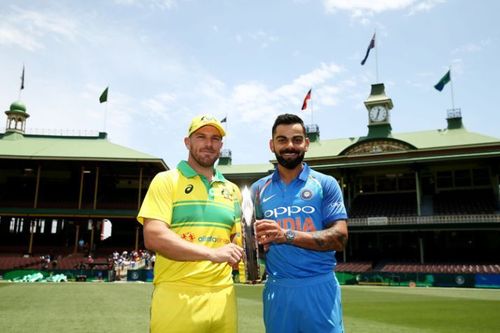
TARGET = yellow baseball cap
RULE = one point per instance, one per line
(205, 120)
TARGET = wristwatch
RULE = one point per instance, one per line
(290, 236)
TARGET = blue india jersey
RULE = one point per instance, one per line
(309, 203)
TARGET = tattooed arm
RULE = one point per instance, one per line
(334, 237)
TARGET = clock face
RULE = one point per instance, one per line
(378, 113)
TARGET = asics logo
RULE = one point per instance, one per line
(288, 211)
(188, 189)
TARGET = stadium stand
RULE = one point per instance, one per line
(354, 267)
(17, 262)
(40, 262)
(456, 202)
(440, 268)
(386, 204)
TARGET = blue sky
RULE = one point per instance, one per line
(166, 61)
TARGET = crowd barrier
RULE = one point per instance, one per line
(345, 278)
(145, 275)
(72, 274)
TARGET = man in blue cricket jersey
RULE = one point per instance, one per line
(302, 223)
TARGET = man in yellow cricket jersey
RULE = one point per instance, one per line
(190, 216)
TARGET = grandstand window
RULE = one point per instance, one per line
(463, 178)
(406, 182)
(481, 177)
(366, 184)
(444, 179)
(59, 185)
(387, 183)
(17, 184)
(119, 188)
(89, 174)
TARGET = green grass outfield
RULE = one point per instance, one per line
(124, 307)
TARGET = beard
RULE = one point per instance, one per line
(202, 160)
(290, 164)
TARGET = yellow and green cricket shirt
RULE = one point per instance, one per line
(199, 211)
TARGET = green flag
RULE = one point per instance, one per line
(444, 80)
(104, 96)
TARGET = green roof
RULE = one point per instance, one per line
(16, 145)
(420, 140)
(17, 106)
(246, 169)
(445, 138)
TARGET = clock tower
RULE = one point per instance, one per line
(379, 139)
(379, 107)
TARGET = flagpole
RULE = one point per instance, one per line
(376, 57)
(105, 116)
(452, 94)
(312, 107)
(225, 129)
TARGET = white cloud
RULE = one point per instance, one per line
(471, 47)
(424, 6)
(47, 23)
(159, 4)
(318, 75)
(254, 102)
(160, 103)
(363, 10)
(12, 35)
(457, 66)
(327, 95)
(264, 38)
(250, 102)
(29, 29)
(358, 7)
(211, 88)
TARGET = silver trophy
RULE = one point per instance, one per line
(252, 270)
